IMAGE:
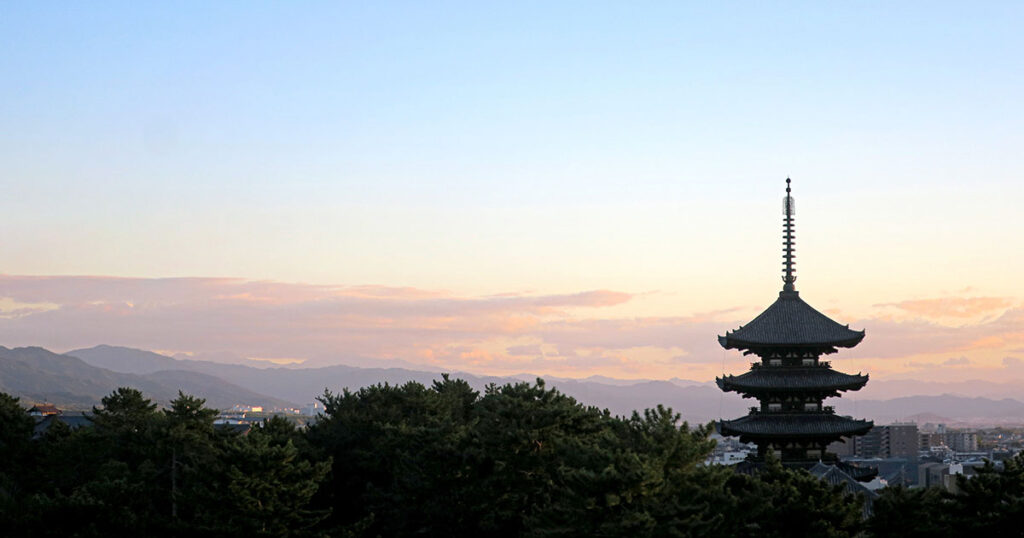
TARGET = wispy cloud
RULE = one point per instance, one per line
(951, 307)
(273, 319)
(525, 351)
(564, 334)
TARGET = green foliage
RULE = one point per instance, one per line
(16, 456)
(779, 502)
(124, 411)
(397, 454)
(142, 472)
(919, 512)
(269, 489)
(15, 428)
(517, 460)
(992, 502)
(524, 460)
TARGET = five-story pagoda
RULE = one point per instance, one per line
(790, 381)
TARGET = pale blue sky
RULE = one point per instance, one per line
(532, 150)
(333, 142)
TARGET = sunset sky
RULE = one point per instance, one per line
(569, 188)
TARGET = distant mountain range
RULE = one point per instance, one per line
(886, 389)
(701, 401)
(38, 375)
(928, 408)
(81, 377)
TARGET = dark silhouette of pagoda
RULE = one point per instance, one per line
(790, 381)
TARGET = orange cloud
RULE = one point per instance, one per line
(951, 307)
(528, 351)
(563, 334)
(322, 324)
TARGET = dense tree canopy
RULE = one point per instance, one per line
(517, 460)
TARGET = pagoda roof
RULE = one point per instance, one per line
(790, 322)
(759, 425)
(812, 378)
(816, 468)
(839, 476)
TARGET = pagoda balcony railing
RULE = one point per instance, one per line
(825, 409)
(821, 364)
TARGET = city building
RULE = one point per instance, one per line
(790, 381)
(313, 409)
(962, 441)
(927, 440)
(949, 439)
(900, 440)
(944, 474)
(868, 445)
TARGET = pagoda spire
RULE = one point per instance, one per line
(789, 239)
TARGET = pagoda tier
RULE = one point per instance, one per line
(790, 381)
(765, 381)
(791, 323)
(818, 427)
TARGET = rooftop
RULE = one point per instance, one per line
(797, 425)
(790, 322)
(833, 474)
(811, 378)
(44, 409)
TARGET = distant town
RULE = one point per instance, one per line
(929, 455)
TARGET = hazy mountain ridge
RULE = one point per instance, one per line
(37, 375)
(697, 402)
(887, 389)
(951, 407)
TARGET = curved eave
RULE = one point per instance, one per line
(730, 342)
(731, 383)
(779, 426)
(790, 322)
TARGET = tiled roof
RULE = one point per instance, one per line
(788, 377)
(789, 321)
(73, 420)
(241, 429)
(860, 473)
(46, 409)
(899, 477)
(780, 425)
(833, 475)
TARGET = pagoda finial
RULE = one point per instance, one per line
(788, 251)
